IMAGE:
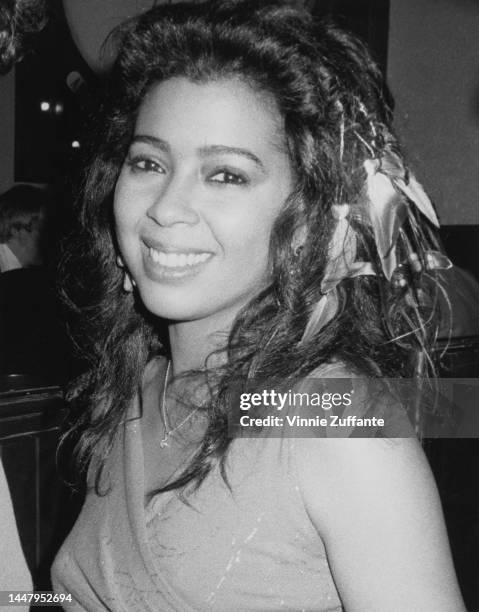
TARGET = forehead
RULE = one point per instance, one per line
(228, 112)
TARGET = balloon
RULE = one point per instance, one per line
(91, 21)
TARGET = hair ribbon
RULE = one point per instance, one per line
(341, 264)
(390, 189)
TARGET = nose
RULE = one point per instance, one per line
(175, 202)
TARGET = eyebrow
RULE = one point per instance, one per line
(162, 145)
(158, 143)
(223, 149)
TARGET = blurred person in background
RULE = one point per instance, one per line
(31, 335)
(22, 215)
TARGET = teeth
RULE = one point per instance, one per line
(177, 260)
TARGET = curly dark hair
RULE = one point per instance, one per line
(19, 20)
(331, 97)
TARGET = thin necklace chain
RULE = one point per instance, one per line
(164, 414)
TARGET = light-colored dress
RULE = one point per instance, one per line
(251, 547)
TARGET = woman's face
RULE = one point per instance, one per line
(203, 182)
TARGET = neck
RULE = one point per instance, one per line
(191, 342)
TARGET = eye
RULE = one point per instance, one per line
(141, 163)
(227, 177)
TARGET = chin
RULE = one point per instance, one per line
(175, 307)
(181, 305)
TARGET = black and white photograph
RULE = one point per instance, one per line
(239, 305)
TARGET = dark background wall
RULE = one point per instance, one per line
(7, 134)
(433, 71)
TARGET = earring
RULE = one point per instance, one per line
(128, 282)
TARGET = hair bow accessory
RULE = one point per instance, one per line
(392, 166)
(435, 260)
(341, 255)
(390, 189)
(323, 312)
(342, 249)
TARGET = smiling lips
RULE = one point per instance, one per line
(177, 260)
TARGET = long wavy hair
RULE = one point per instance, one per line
(331, 97)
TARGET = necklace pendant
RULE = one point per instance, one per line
(164, 442)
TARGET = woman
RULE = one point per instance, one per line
(241, 198)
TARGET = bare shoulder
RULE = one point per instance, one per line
(374, 500)
(357, 468)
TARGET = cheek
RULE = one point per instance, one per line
(125, 229)
(245, 237)
(125, 214)
(243, 231)
(120, 197)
